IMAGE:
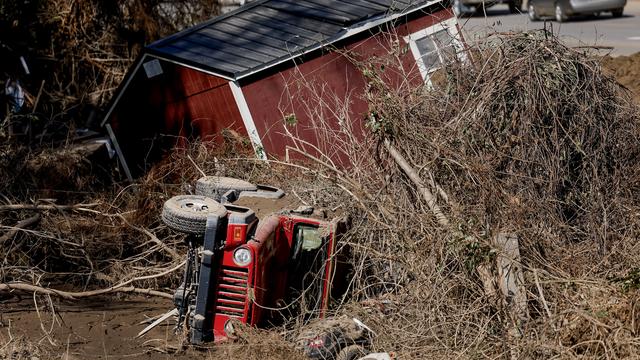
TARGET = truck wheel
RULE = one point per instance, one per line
(617, 12)
(188, 213)
(216, 186)
(560, 14)
(351, 352)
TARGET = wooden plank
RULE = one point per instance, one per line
(511, 284)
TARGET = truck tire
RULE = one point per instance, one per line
(351, 352)
(216, 186)
(617, 12)
(188, 213)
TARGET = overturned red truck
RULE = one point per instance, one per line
(254, 271)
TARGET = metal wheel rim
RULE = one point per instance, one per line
(193, 206)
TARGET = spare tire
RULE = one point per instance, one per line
(216, 186)
(188, 213)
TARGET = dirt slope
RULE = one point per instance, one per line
(627, 70)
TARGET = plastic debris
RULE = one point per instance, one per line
(14, 92)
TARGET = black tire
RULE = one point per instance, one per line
(617, 12)
(560, 14)
(188, 213)
(515, 7)
(351, 352)
(533, 15)
(216, 186)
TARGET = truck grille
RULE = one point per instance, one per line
(232, 292)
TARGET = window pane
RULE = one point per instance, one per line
(444, 42)
(428, 52)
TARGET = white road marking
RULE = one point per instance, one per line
(634, 38)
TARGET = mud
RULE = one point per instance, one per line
(99, 328)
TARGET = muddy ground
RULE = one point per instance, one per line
(98, 328)
(105, 328)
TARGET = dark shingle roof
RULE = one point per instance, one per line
(267, 32)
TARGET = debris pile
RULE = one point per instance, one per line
(494, 214)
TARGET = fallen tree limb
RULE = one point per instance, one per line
(45, 207)
(121, 288)
(415, 178)
(78, 295)
(20, 225)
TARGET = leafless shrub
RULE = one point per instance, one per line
(530, 138)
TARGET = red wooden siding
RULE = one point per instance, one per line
(317, 88)
(180, 103)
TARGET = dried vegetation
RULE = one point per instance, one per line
(528, 138)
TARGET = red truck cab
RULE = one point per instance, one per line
(283, 263)
(248, 270)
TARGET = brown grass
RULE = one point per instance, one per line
(529, 138)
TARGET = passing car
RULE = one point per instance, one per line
(464, 7)
(562, 10)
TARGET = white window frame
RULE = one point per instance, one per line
(451, 26)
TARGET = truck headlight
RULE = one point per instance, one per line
(228, 328)
(242, 256)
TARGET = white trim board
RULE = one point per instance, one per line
(247, 119)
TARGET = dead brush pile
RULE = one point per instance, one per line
(530, 139)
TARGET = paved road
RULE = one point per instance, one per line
(622, 34)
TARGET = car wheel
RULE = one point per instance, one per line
(533, 16)
(515, 7)
(189, 213)
(351, 352)
(560, 14)
(216, 186)
(617, 12)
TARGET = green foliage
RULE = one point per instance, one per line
(290, 119)
(631, 281)
(475, 254)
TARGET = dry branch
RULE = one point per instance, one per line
(46, 207)
(121, 287)
(20, 225)
(77, 295)
(420, 186)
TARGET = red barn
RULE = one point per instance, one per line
(264, 65)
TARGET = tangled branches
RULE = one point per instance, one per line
(528, 138)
